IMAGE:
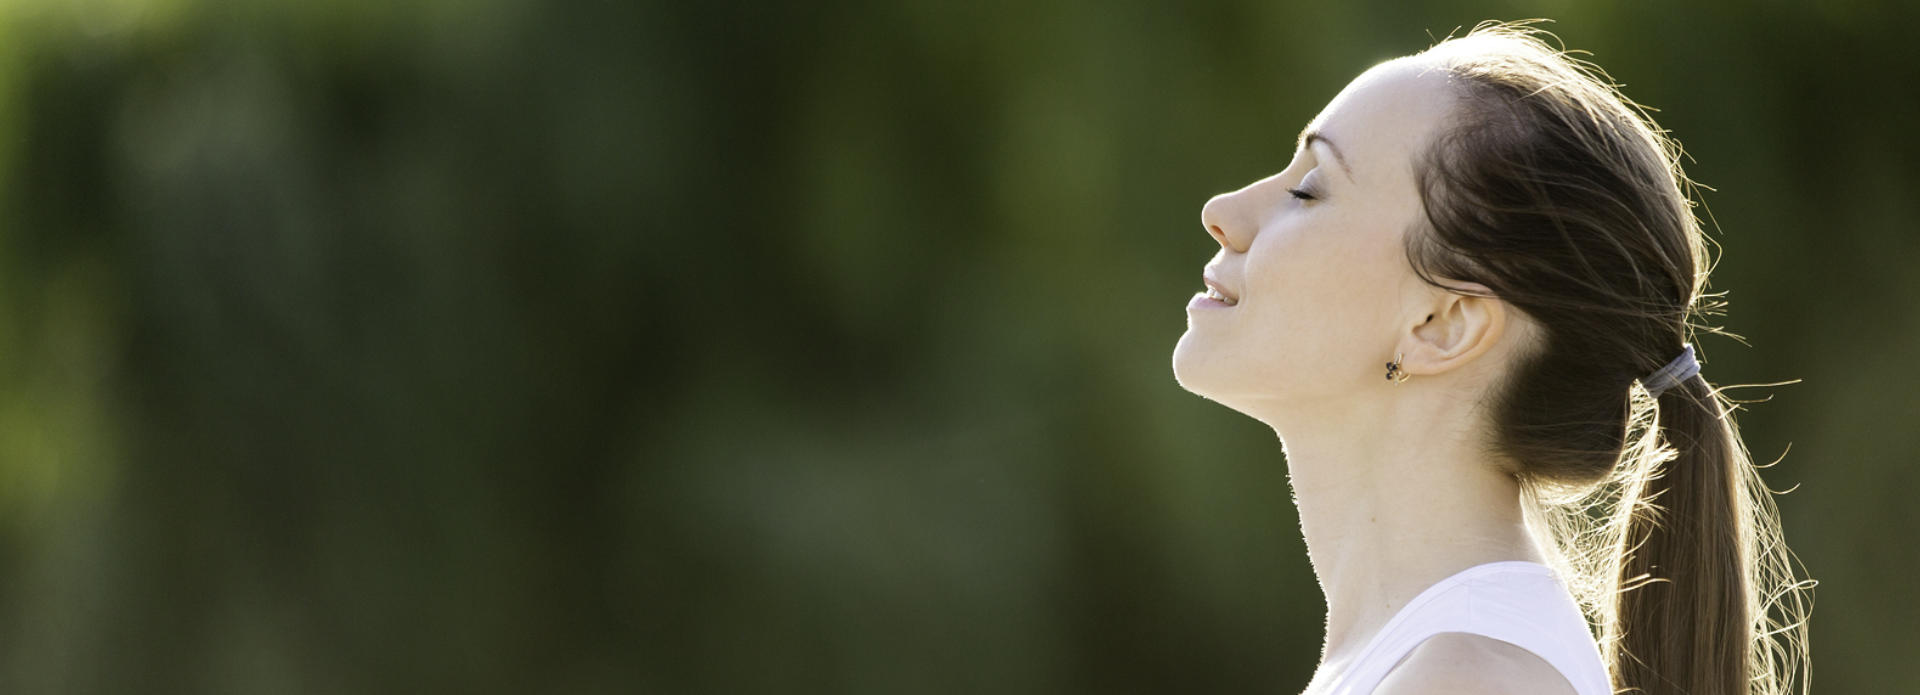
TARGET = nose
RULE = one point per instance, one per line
(1228, 220)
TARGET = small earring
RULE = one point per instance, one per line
(1394, 373)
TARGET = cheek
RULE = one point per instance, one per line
(1329, 290)
(1337, 270)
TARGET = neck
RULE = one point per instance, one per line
(1389, 510)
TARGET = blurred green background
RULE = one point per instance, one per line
(727, 347)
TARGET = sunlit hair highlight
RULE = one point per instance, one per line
(1562, 196)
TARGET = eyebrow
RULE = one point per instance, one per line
(1308, 137)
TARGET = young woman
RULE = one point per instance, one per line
(1465, 308)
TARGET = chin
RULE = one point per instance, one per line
(1194, 367)
(1226, 377)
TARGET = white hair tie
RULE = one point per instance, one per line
(1679, 370)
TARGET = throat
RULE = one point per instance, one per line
(1376, 546)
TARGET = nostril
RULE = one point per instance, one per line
(1217, 233)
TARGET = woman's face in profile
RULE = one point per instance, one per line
(1311, 259)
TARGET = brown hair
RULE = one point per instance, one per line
(1561, 196)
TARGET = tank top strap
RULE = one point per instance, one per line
(1521, 603)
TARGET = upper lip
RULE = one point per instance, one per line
(1216, 284)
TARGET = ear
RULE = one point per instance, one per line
(1461, 326)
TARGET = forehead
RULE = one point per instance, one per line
(1387, 114)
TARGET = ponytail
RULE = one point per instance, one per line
(1703, 596)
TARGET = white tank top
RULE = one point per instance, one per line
(1521, 603)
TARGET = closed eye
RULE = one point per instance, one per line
(1306, 190)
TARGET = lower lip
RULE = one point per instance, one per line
(1202, 301)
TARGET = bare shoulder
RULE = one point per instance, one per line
(1459, 663)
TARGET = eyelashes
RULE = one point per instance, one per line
(1303, 194)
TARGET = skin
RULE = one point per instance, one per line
(1393, 483)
